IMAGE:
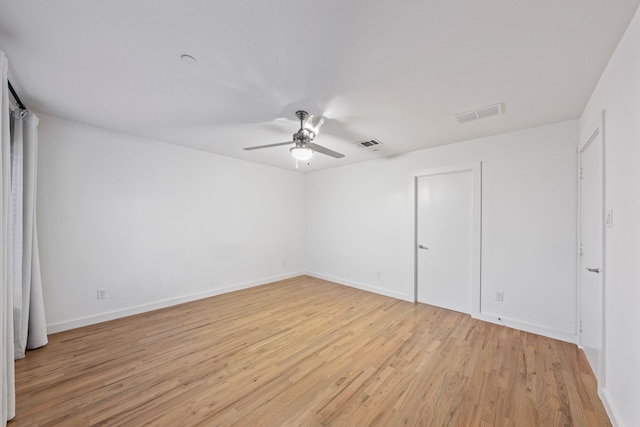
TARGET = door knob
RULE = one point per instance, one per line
(422, 247)
(594, 270)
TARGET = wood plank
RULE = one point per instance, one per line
(306, 352)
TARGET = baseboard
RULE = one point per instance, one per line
(570, 337)
(362, 286)
(614, 416)
(523, 326)
(130, 311)
(116, 314)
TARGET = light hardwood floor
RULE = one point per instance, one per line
(304, 352)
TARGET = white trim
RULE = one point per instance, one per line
(117, 314)
(362, 286)
(597, 130)
(614, 415)
(476, 172)
(567, 336)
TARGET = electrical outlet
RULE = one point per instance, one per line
(499, 296)
(284, 263)
(379, 274)
(609, 218)
(102, 293)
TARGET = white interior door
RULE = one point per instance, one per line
(444, 234)
(591, 239)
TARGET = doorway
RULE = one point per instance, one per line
(591, 274)
(446, 247)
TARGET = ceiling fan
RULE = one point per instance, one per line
(304, 148)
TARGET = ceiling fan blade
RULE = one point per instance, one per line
(323, 150)
(269, 145)
(314, 123)
(342, 130)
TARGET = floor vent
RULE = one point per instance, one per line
(370, 144)
(480, 113)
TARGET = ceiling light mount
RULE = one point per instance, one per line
(302, 115)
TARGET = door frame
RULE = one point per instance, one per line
(476, 229)
(595, 131)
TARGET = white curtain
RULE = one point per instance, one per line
(7, 383)
(22, 321)
(30, 329)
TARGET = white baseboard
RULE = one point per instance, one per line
(116, 314)
(614, 416)
(523, 326)
(570, 337)
(130, 311)
(362, 286)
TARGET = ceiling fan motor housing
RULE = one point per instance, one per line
(303, 136)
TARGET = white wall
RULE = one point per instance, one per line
(618, 93)
(360, 224)
(155, 223)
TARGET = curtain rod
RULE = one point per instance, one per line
(16, 97)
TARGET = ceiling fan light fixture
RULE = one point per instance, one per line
(301, 153)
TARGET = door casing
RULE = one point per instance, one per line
(597, 131)
(476, 230)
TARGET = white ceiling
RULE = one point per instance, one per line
(393, 70)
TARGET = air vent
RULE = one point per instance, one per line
(370, 144)
(480, 113)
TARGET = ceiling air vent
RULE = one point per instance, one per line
(370, 144)
(480, 113)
